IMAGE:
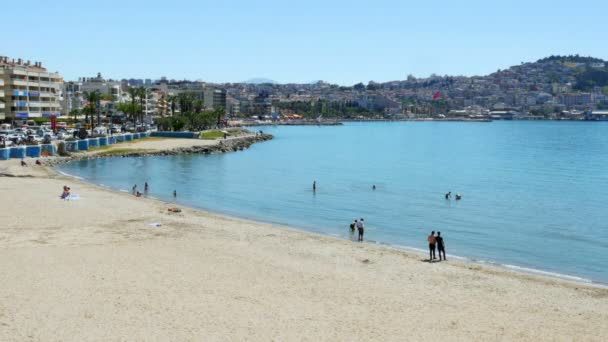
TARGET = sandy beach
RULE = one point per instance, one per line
(94, 269)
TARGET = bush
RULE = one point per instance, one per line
(62, 149)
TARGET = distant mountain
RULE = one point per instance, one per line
(260, 80)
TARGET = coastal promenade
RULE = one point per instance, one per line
(111, 266)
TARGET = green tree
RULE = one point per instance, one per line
(172, 99)
(359, 86)
(75, 112)
(185, 101)
(92, 107)
(130, 109)
(142, 93)
(133, 93)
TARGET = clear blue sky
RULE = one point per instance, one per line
(337, 41)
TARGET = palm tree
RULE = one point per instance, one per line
(142, 92)
(93, 99)
(186, 102)
(172, 99)
(75, 112)
(133, 92)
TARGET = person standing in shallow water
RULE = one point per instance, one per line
(146, 187)
(440, 245)
(174, 193)
(314, 186)
(432, 241)
(361, 229)
(448, 195)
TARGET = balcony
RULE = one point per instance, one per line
(20, 104)
(19, 82)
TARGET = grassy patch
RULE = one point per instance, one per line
(99, 148)
(121, 151)
(149, 139)
(212, 135)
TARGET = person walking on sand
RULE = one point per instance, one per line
(440, 246)
(361, 229)
(432, 241)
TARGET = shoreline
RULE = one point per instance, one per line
(414, 251)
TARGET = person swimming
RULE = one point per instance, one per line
(374, 187)
(458, 197)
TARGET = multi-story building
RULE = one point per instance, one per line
(28, 90)
(74, 93)
(215, 98)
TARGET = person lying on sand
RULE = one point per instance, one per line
(66, 192)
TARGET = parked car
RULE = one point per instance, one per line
(5, 141)
(61, 135)
(17, 137)
(47, 138)
(33, 138)
(99, 130)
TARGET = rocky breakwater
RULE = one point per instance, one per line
(222, 146)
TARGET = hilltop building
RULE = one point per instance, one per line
(28, 90)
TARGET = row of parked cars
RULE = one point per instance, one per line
(44, 134)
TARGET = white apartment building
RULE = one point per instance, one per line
(28, 90)
(74, 92)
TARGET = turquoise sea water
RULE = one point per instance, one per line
(534, 193)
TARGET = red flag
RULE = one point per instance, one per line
(436, 96)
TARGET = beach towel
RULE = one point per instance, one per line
(73, 197)
(155, 224)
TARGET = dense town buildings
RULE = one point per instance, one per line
(555, 87)
(28, 90)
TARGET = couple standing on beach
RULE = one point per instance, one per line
(359, 225)
(436, 242)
